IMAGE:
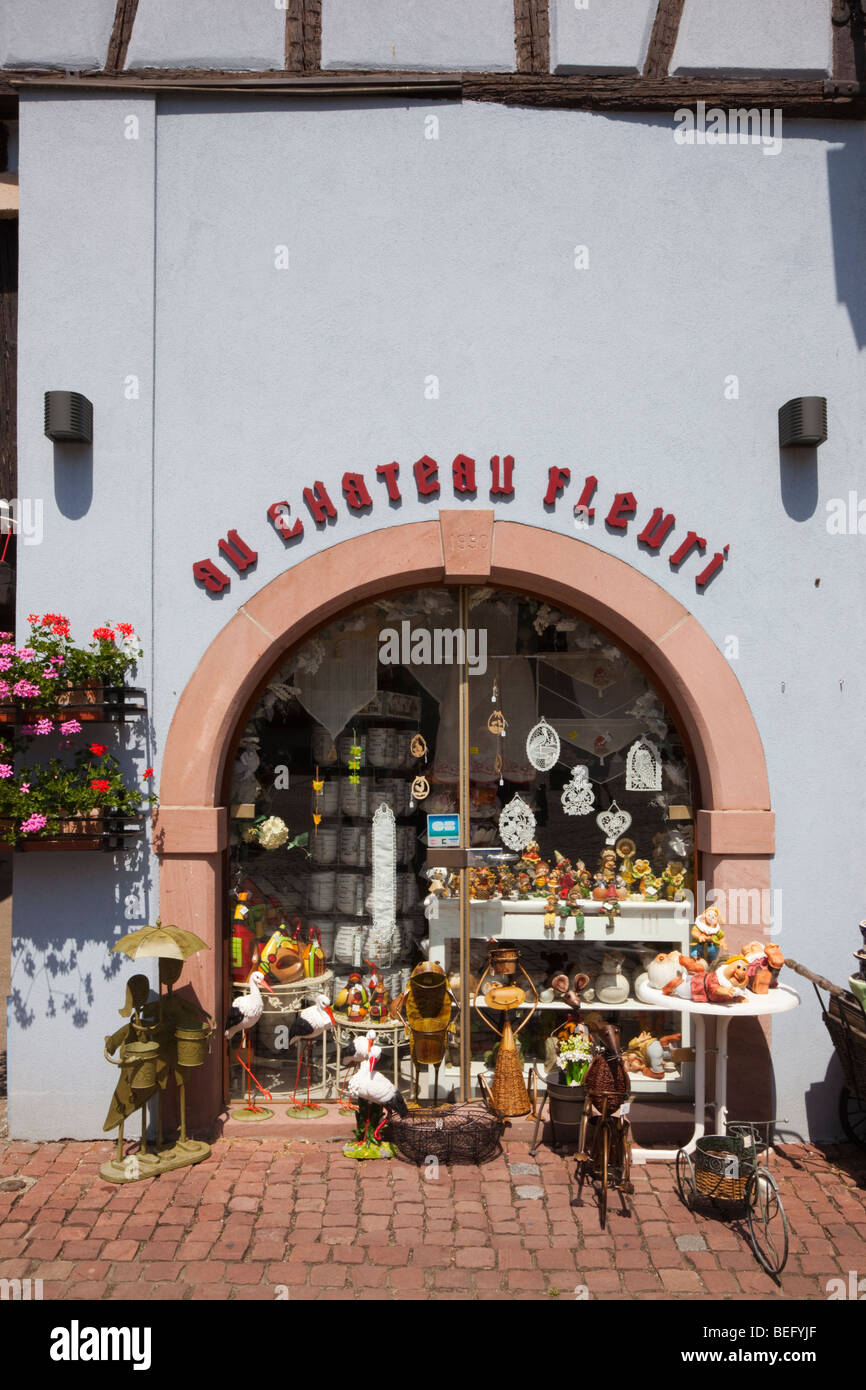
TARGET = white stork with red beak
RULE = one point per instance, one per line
(309, 1025)
(243, 1016)
(369, 1085)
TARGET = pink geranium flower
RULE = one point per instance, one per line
(25, 688)
(70, 726)
(34, 822)
(26, 654)
(5, 663)
(5, 770)
(44, 726)
(5, 688)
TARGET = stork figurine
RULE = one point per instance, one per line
(242, 1017)
(369, 1085)
(309, 1025)
(353, 1057)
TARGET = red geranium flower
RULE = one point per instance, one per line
(148, 772)
(126, 628)
(99, 784)
(98, 749)
(60, 629)
(33, 617)
(104, 634)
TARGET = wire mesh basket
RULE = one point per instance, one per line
(464, 1133)
(723, 1164)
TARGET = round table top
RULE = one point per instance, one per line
(367, 1025)
(775, 1001)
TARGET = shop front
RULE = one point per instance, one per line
(493, 738)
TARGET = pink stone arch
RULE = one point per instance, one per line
(734, 820)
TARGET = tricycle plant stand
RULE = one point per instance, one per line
(724, 1168)
(845, 1019)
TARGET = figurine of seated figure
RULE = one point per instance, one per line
(764, 963)
(647, 1054)
(725, 985)
(708, 938)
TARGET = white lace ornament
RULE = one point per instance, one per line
(613, 822)
(516, 824)
(578, 797)
(384, 855)
(542, 746)
(643, 767)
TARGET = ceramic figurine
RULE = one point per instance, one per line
(664, 968)
(708, 938)
(726, 985)
(612, 984)
(440, 881)
(524, 885)
(378, 994)
(647, 1054)
(765, 962)
(626, 849)
(640, 873)
(357, 999)
(482, 884)
(564, 871)
(673, 878)
(507, 886)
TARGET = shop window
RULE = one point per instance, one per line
(367, 714)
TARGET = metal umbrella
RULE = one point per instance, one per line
(169, 942)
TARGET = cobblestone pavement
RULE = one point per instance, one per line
(266, 1219)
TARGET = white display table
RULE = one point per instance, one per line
(776, 1001)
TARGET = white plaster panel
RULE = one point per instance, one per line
(427, 35)
(741, 38)
(55, 33)
(241, 35)
(602, 36)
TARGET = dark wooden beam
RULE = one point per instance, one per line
(663, 37)
(8, 359)
(532, 35)
(304, 36)
(849, 42)
(580, 92)
(118, 44)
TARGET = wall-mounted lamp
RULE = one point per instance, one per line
(68, 417)
(803, 422)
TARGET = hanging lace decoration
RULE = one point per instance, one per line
(578, 797)
(613, 822)
(516, 824)
(542, 746)
(384, 856)
(643, 767)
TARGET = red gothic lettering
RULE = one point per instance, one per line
(463, 473)
(505, 487)
(582, 506)
(278, 512)
(623, 509)
(389, 472)
(692, 541)
(208, 574)
(237, 552)
(355, 491)
(657, 529)
(556, 480)
(319, 503)
(712, 568)
(426, 476)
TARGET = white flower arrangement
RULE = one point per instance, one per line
(273, 833)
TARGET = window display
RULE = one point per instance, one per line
(575, 824)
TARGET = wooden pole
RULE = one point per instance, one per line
(463, 805)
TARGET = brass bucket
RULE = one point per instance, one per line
(191, 1045)
(504, 960)
(428, 1044)
(140, 1059)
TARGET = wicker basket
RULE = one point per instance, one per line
(466, 1133)
(713, 1163)
(607, 1079)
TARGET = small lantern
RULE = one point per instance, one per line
(803, 422)
(68, 417)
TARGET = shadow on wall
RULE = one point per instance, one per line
(53, 965)
(845, 166)
(822, 1104)
(73, 479)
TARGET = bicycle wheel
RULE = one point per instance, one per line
(852, 1113)
(605, 1154)
(768, 1224)
(686, 1184)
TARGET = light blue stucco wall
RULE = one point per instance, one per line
(411, 258)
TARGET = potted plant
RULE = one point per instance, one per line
(50, 671)
(61, 805)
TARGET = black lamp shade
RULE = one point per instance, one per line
(68, 417)
(803, 422)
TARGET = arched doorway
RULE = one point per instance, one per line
(734, 823)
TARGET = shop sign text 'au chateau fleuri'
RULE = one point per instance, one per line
(657, 524)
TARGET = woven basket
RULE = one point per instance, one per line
(466, 1133)
(607, 1079)
(510, 1095)
(712, 1163)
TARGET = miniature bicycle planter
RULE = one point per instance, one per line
(845, 1019)
(724, 1168)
